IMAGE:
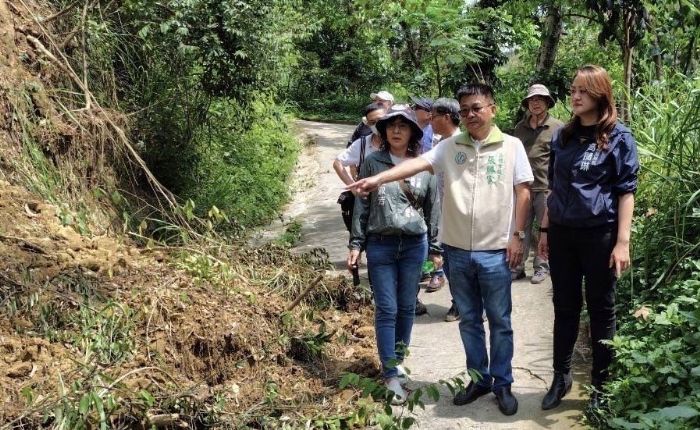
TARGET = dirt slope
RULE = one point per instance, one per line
(154, 332)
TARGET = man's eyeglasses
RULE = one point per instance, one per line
(464, 112)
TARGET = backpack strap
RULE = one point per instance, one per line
(363, 148)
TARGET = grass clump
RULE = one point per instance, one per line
(291, 235)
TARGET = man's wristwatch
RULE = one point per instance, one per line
(519, 234)
(544, 230)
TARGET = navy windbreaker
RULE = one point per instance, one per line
(585, 182)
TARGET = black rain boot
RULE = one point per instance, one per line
(561, 384)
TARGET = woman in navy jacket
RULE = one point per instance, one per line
(586, 230)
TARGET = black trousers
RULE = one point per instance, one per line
(575, 255)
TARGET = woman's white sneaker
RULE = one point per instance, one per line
(400, 394)
(403, 375)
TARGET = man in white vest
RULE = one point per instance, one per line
(486, 199)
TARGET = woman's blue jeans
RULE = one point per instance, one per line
(394, 264)
(480, 280)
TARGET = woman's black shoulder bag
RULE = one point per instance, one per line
(346, 200)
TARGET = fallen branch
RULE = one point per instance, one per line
(304, 293)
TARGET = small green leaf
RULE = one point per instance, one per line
(346, 380)
(84, 404)
(626, 424)
(433, 393)
(678, 411)
(407, 422)
(147, 397)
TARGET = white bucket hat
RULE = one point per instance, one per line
(538, 90)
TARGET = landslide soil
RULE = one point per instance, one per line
(85, 314)
(101, 328)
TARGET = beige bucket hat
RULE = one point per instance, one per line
(538, 90)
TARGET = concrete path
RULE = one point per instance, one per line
(436, 350)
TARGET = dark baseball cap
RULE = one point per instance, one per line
(422, 103)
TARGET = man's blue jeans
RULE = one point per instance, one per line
(394, 264)
(480, 280)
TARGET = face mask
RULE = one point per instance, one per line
(374, 129)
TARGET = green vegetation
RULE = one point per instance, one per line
(291, 235)
(202, 80)
(657, 366)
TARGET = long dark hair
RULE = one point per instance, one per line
(414, 144)
(599, 87)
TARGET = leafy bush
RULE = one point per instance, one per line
(657, 366)
(242, 173)
(658, 363)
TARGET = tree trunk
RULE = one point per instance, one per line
(411, 45)
(438, 77)
(627, 55)
(658, 66)
(551, 34)
(689, 59)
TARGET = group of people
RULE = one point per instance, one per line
(470, 202)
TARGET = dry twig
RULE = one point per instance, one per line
(304, 293)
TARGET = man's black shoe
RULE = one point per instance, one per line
(507, 403)
(452, 314)
(420, 308)
(561, 384)
(469, 394)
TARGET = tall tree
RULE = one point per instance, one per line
(625, 22)
(552, 29)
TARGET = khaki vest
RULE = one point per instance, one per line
(477, 210)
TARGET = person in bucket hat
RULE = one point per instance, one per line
(409, 117)
(536, 130)
(538, 90)
(397, 226)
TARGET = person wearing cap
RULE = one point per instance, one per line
(423, 107)
(352, 156)
(536, 131)
(347, 163)
(382, 98)
(486, 200)
(396, 225)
